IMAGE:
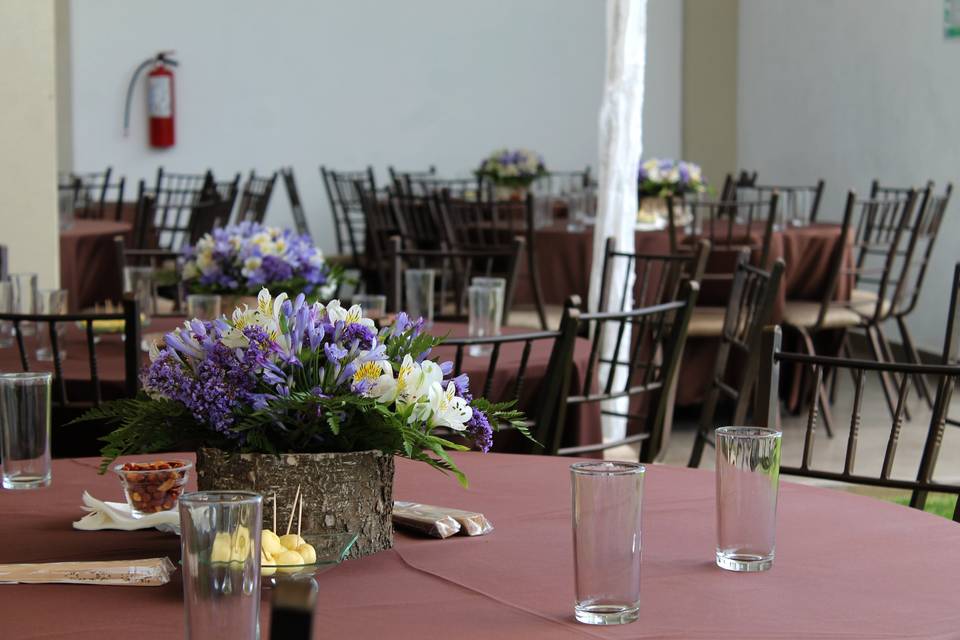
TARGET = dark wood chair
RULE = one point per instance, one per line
(174, 217)
(643, 370)
(419, 222)
(459, 188)
(96, 193)
(79, 441)
(750, 309)
(401, 179)
(299, 216)
(255, 198)
(4, 262)
(484, 225)
(454, 271)
(380, 225)
(946, 377)
(346, 205)
(795, 202)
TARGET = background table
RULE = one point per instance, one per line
(88, 261)
(847, 566)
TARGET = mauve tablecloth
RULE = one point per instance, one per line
(847, 566)
(88, 261)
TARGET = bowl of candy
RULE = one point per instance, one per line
(151, 487)
(300, 556)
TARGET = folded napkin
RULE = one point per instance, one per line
(151, 572)
(118, 515)
(440, 522)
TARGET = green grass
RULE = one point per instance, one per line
(941, 504)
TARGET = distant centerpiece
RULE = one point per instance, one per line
(660, 178)
(512, 171)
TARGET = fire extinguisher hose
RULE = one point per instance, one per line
(160, 57)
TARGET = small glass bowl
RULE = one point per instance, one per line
(331, 548)
(152, 490)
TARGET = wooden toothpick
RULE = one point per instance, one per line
(299, 515)
(274, 511)
(293, 509)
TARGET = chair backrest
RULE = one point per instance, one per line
(558, 182)
(54, 327)
(795, 203)
(255, 198)
(379, 226)
(459, 188)
(346, 205)
(402, 179)
(729, 225)
(454, 270)
(4, 262)
(486, 224)
(946, 377)
(732, 184)
(750, 309)
(171, 206)
(642, 369)
(299, 216)
(419, 222)
(96, 193)
(658, 276)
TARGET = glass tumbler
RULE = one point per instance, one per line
(140, 282)
(6, 306)
(52, 302)
(374, 305)
(203, 306)
(486, 312)
(220, 550)
(748, 478)
(25, 429)
(25, 298)
(607, 501)
(420, 284)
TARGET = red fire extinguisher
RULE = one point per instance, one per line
(161, 108)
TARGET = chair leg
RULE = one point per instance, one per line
(886, 382)
(697, 453)
(535, 285)
(889, 357)
(821, 394)
(913, 356)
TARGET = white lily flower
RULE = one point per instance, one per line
(448, 410)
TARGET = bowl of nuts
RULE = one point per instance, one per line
(151, 487)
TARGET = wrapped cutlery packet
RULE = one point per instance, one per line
(151, 572)
(440, 522)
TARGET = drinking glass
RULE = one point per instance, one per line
(542, 210)
(25, 298)
(25, 429)
(374, 305)
(501, 283)
(576, 211)
(486, 311)
(140, 282)
(748, 476)
(203, 306)
(420, 283)
(66, 206)
(6, 306)
(51, 302)
(220, 550)
(607, 501)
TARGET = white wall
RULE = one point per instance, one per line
(28, 139)
(851, 90)
(265, 84)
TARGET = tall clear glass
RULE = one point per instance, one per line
(140, 282)
(51, 302)
(6, 306)
(419, 287)
(220, 550)
(25, 429)
(203, 306)
(25, 298)
(607, 505)
(748, 478)
(485, 305)
(487, 281)
(374, 305)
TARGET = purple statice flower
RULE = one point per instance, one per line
(479, 429)
(276, 269)
(462, 384)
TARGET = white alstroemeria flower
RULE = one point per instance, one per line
(673, 176)
(447, 409)
(386, 387)
(353, 315)
(316, 259)
(204, 259)
(250, 265)
(407, 388)
(269, 306)
(190, 271)
(280, 245)
(260, 239)
(335, 312)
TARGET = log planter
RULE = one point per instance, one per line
(342, 492)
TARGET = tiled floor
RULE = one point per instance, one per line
(829, 453)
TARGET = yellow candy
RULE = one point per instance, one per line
(265, 560)
(241, 545)
(308, 553)
(222, 549)
(287, 558)
(270, 542)
(291, 541)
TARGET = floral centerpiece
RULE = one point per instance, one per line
(512, 171)
(237, 260)
(284, 393)
(660, 178)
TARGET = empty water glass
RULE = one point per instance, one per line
(203, 306)
(25, 298)
(607, 505)
(51, 302)
(420, 284)
(488, 281)
(485, 313)
(6, 306)
(543, 210)
(25, 429)
(374, 305)
(140, 282)
(220, 550)
(748, 477)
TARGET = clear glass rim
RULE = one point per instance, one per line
(22, 274)
(607, 468)
(421, 272)
(26, 376)
(220, 497)
(203, 296)
(488, 281)
(752, 433)
(185, 465)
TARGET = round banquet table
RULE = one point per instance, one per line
(88, 261)
(847, 565)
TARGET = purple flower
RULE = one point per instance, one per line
(479, 429)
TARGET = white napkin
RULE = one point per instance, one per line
(117, 515)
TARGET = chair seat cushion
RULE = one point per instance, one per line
(803, 313)
(706, 322)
